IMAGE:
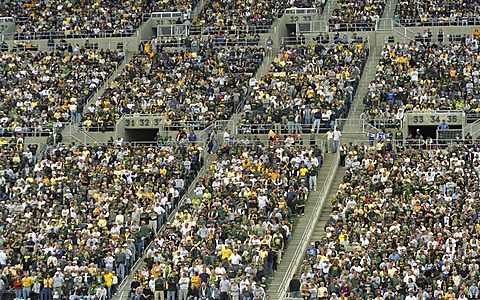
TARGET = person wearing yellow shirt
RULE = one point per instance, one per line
(225, 253)
(108, 278)
(343, 237)
(47, 287)
(26, 286)
(303, 171)
(195, 280)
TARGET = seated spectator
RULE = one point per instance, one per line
(192, 89)
(397, 225)
(40, 89)
(307, 86)
(356, 15)
(77, 219)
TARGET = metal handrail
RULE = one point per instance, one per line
(166, 14)
(307, 234)
(461, 21)
(298, 11)
(243, 29)
(84, 34)
(358, 26)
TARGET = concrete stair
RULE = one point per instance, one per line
(299, 228)
(319, 232)
(389, 11)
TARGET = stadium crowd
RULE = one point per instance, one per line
(41, 90)
(228, 238)
(233, 17)
(307, 86)
(198, 86)
(81, 19)
(403, 226)
(356, 15)
(74, 221)
(437, 13)
(424, 76)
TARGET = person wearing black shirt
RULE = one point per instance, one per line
(133, 286)
(294, 287)
(172, 282)
(147, 293)
(160, 286)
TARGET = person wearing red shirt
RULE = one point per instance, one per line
(17, 285)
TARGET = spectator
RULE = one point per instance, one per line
(294, 287)
(443, 126)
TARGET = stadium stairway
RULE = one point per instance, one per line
(389, 12)
(319, 232)
(112, 77)
(328, 10)
(299, 229)
(352, 130)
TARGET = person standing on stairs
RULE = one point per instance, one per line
(294, 287)
(336, 139)
(268, 46)
(328, 142)
(312, 177)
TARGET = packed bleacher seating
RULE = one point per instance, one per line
(437, 13)
(197, 86)
(75, 19)
(237, 17)
(77, 219)
(356, 15)
(422, 76)
(79, 19)
(237, 224)
(41, 90)
(307, 87)
(403, 225)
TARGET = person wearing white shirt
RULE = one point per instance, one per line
(235, 259)
(184, 282)
(336, 139)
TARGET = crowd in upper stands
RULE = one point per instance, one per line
(41, 90)
(234, 229)
(199, 85)
(83, 19)
(234, 17)
(403, 226)
(437, 13)
(356, 15)
(44, 19)
(73, 222)
(307, 86)
(422, 76)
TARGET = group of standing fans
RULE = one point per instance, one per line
(403, 226)
(226, 241)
